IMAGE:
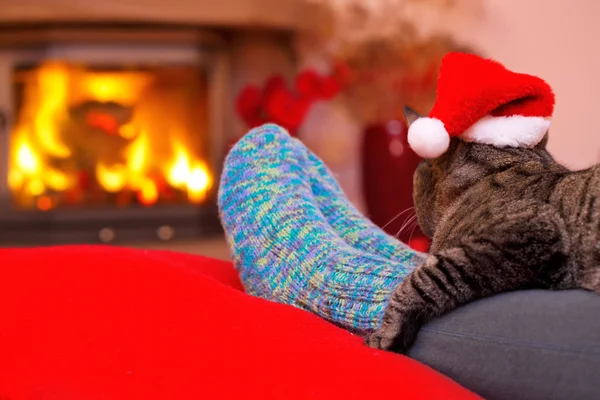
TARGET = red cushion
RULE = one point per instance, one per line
(89, 322)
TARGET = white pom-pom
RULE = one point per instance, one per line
(428, 137)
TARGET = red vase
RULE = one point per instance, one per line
(388, 165)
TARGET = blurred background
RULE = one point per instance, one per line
(115, 116)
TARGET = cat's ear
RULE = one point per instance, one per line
(542, 144)
(411, 115)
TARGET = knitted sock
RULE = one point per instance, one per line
(272, 208)
(357, 230)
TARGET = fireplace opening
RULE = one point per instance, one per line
(110, 143)
(108, 137)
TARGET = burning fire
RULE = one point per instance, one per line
(79, 128)
(186, 174)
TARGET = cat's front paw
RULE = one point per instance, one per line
(397, 333)
(377, 340)
(398, 343)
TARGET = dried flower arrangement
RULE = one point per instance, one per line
(391, 57)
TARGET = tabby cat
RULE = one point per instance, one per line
(500, 219)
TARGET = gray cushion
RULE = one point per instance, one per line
(531, 344)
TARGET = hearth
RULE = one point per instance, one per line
(110, 140)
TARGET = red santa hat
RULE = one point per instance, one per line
(479, 100)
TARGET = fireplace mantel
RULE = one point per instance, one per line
(277, 14)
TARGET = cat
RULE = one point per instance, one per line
(500, 219)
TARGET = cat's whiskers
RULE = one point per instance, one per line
(406, 224)
(413, 231)
(397, 216)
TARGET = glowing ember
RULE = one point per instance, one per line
(148, 193)
(113, 179)
(197, 182)
(83, 137)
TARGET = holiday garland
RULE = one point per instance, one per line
(285, 105)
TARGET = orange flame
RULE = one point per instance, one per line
(40, 139)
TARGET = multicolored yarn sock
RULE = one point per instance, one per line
(296, 239)
(358, 231)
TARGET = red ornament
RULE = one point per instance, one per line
(388, 165)
(279, 104)
(330, 87)
(308, 84)
(249, 103)
(274, 84)
(419, 243)
(276, 104)
(285, 109)
(298, 113)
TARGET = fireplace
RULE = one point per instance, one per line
(110, 140)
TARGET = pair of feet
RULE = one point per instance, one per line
(296, 239)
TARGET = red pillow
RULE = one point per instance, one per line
(89, 322)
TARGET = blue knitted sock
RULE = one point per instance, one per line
(295, 238)
(357, 230)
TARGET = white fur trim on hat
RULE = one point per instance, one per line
(513, 131)
(428, 137)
